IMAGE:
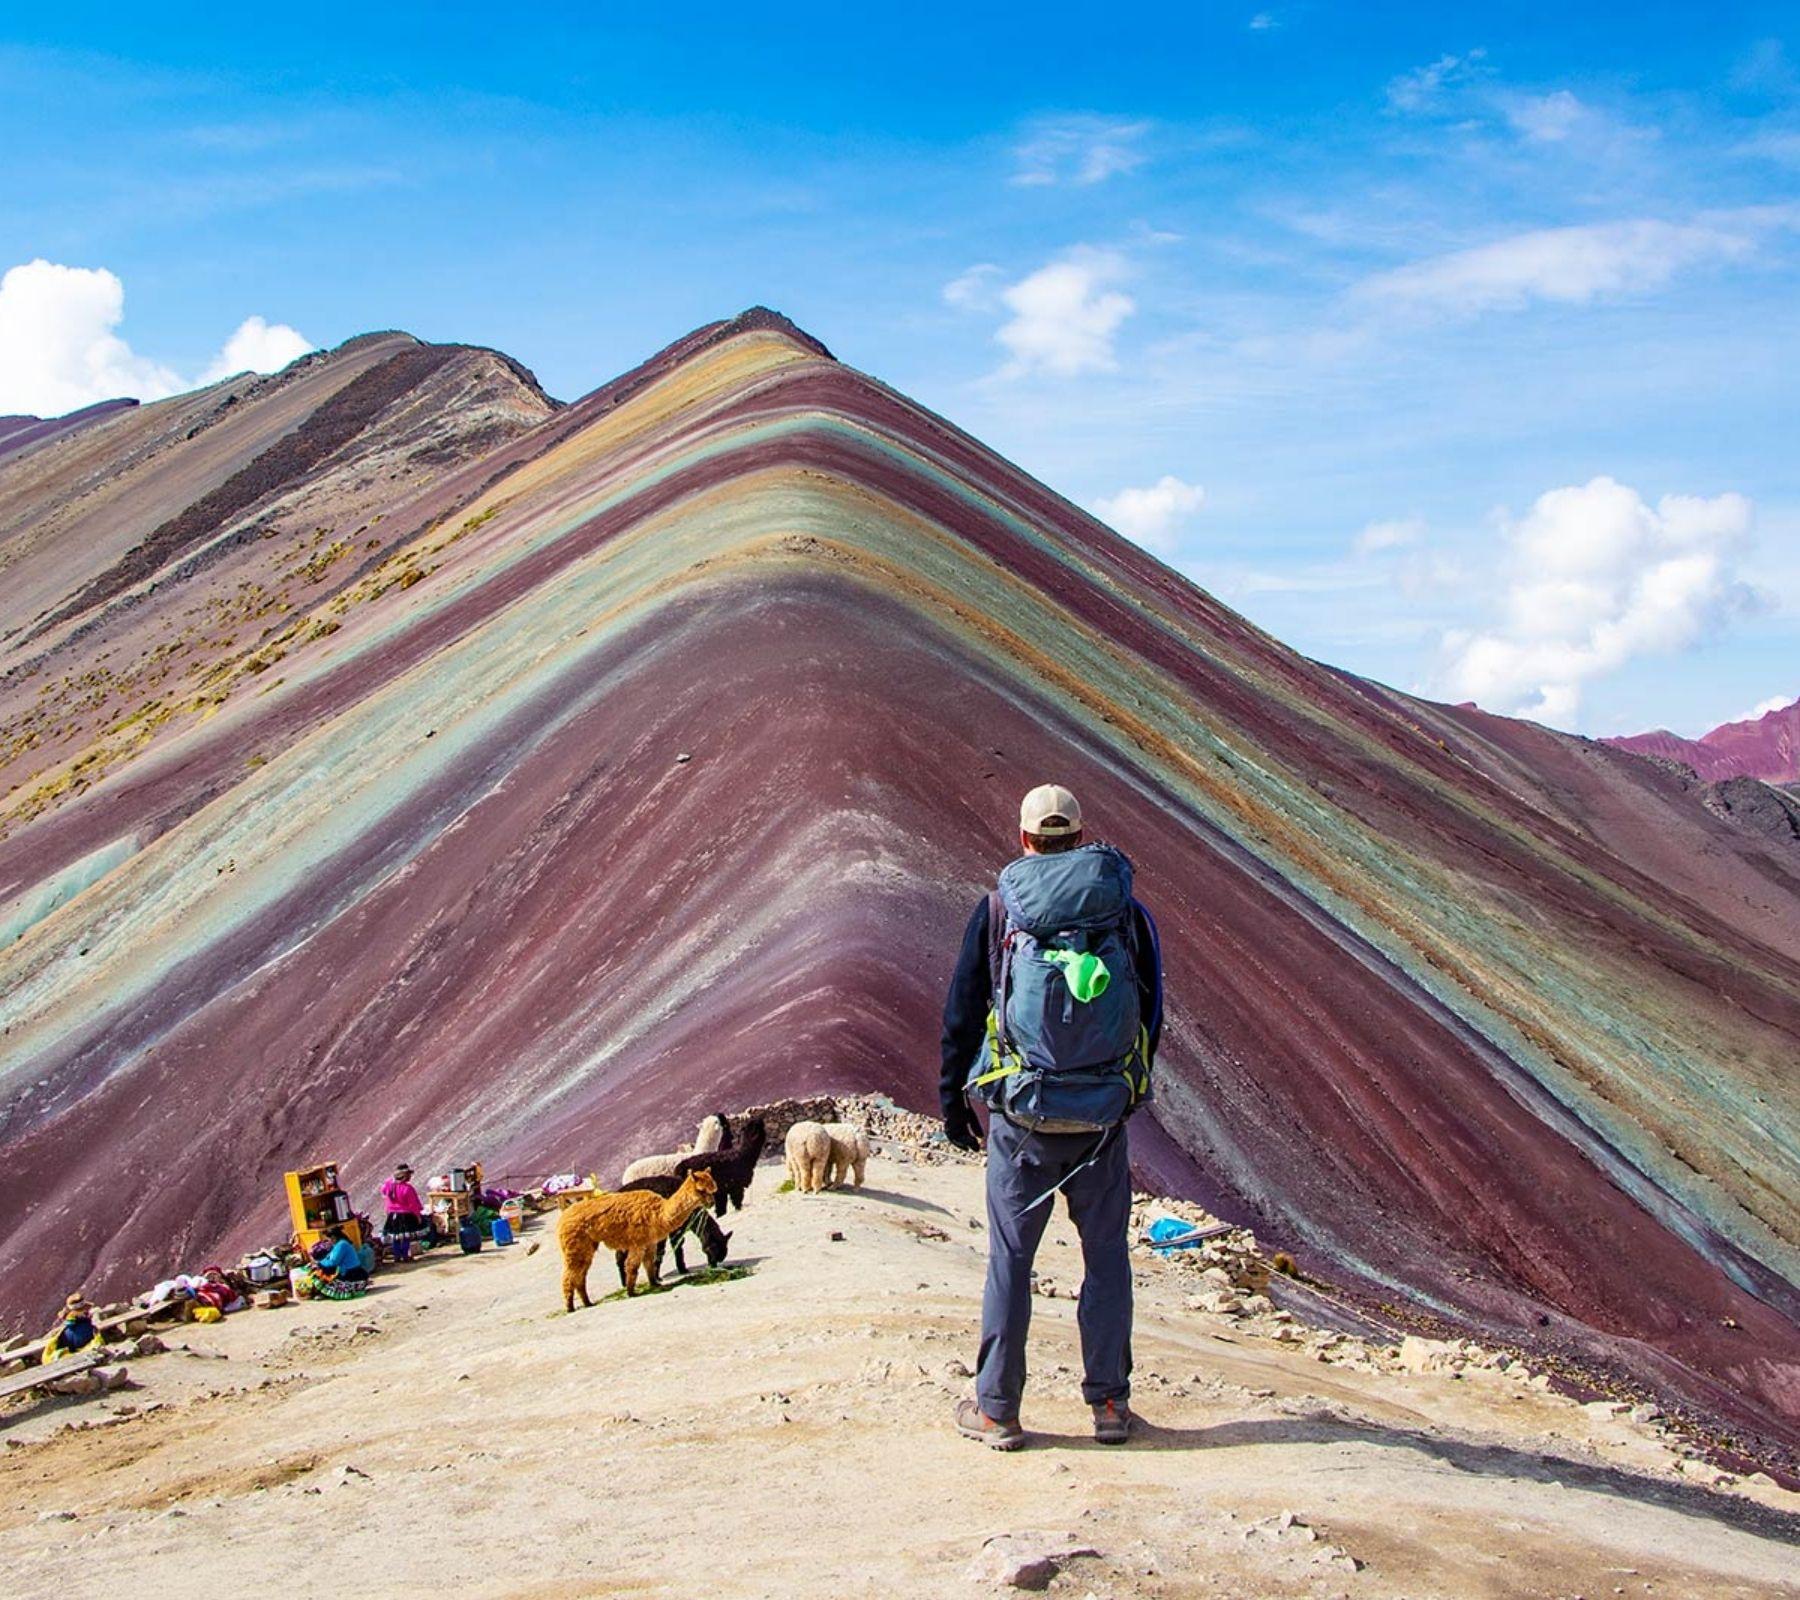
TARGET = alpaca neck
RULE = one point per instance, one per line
(680, 1204)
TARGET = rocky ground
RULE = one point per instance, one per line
(787, 1433)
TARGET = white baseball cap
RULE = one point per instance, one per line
(1050, 812)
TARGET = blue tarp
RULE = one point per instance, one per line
(1171, 1233)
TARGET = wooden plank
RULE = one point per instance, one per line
(124, 1319)
(37, 1377)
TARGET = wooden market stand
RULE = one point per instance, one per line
(454, 1202)
(316, 1201)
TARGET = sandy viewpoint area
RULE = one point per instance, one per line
(788, 1434)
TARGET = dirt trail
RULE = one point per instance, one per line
(788, 1434)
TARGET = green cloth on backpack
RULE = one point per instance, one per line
(1084, 972)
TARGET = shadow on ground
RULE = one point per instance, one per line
(892, 1198)
(1464, 1455)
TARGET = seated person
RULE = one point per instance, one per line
(337, 1271)
(342, 1262)
(75, 1331)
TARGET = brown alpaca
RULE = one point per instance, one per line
(634, 1222)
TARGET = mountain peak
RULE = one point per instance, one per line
(394, 764)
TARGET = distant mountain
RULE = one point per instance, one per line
(1766, 747)
(18, 432)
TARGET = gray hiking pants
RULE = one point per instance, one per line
(1020, 1167)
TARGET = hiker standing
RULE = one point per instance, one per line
(1052, 1021)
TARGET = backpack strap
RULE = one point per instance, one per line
(999, 950)
(996, 939)
(1000, 961)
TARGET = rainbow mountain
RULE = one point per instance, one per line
(396, 763)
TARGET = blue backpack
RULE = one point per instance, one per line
(1066, 1050)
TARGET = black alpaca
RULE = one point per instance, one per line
(713, 1240)
(732, 1169)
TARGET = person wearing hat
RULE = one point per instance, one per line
(405, 1219)
(1052, 1020)
(75, 1331)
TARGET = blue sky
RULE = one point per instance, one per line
(1456, 346)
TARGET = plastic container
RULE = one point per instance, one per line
(503, 1233)
(469, 1237)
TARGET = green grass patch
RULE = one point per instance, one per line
(705, 1275)
(787, 1186)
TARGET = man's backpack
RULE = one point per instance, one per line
(1066, 1050)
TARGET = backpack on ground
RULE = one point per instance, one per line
(1066, 1050)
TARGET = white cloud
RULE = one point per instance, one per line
(1262, 22)
(973, 289)
(1545, 118)
(1596, 578)
(257, 346)
(1775, 702)
(1406, 565)
(1149, 516)
(1064, 316)
(59, 350)
(1421, 88)
(1569, 266)
(1079, 149)
(1388, 535)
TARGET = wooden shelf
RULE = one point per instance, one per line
(317, 1202)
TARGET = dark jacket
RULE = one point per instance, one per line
(972, 993)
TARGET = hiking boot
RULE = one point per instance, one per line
(973, 1423)
(1112, 1422)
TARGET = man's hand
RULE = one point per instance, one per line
(961, 1126)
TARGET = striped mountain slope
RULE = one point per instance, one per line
(344, 814)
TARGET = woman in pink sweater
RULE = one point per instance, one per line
(405, 1218)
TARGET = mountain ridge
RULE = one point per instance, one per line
(396, 857)
(1766, 747)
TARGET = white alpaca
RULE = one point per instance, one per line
(849, 1153)
(712, 1133)
(710, 1137)
(653, 1167)
(808, 1156)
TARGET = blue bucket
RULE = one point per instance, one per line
(503, 1233)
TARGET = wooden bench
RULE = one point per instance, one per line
(36, 1377)
(127, 1321)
